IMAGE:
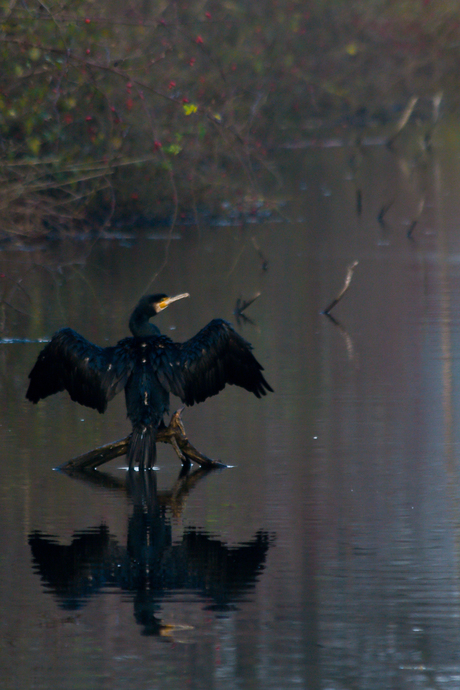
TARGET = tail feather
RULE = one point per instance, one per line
(142, 449)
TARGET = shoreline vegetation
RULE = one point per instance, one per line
(113, 112)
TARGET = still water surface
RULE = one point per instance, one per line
(328, 555)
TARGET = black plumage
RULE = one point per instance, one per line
(148, 366)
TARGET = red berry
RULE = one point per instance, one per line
(208, 15)
(199, 40)
(88, 51)
(157, 145)
(185, 100)
(172, 84)
(87, 21)
(88, 118)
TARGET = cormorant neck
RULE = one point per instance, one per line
(140, 326)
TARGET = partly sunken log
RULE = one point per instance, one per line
(173, 434)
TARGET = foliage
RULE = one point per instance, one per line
(148, 109)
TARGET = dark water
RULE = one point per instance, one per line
(328, 556)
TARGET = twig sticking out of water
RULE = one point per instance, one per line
(241, 305)
(346, 285)
(421, 206)
(383, 211)
(403, 120)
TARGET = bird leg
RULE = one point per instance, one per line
(173, 434)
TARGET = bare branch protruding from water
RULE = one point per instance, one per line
(383, 211)
(403, 120)
(241, 305)
(345, 287)
(173, 434)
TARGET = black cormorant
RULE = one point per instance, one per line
(149, 366)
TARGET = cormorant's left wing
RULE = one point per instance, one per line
(215, 356)
(92, 375)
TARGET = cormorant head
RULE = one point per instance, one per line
(149, 306)
(156, 303)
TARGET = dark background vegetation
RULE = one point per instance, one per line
(140, 111)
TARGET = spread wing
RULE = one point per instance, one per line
(215, 356)
(92, 375)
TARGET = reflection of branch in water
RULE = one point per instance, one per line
(421, 206)
(262, 257)
(151, 566)
(346, 285)
(428, 138)
(345, 334)
(141, 487)
(354, 163)
(359, 201)
(235, 263)
(173, 434)
(408, 172)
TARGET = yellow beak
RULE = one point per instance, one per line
(167, 300)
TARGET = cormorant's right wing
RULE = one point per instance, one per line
(92, 375)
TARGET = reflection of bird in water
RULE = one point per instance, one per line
(149, 366)
(152, 565)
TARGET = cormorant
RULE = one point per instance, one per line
(149, 366)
